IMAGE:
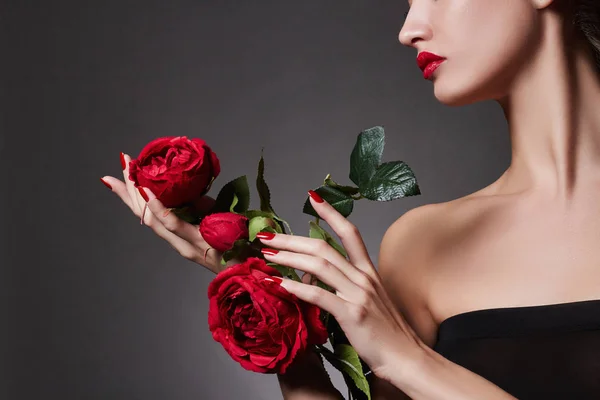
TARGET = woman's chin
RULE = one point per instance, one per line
(454, 95)
(461, 90)
(451, 99)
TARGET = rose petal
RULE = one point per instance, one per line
(261, 360)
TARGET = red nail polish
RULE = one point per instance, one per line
(273, 279)
(143, 193)
(265, 235)
(315, 196)
(269, 252)
(123, 165)
(106, 184)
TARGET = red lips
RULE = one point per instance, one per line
(428, 62)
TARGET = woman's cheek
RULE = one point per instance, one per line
(482, 66)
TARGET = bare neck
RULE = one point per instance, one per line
(553, 113)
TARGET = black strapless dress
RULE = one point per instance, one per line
(534, 353)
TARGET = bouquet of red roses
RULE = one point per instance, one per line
(260, 325)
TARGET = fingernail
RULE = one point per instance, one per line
(123, 165)
(315, 196)
(273, 279)
(269, 252)
(265, 235)
(143, 193)
(106, 184)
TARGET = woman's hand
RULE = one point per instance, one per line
(184, 237)
(374, 327)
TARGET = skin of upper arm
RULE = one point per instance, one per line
(401, 255)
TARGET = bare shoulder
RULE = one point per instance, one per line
(409, 242)
(412, 224)
(403, 259)
(407, 252)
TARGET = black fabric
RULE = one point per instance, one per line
(535, 352)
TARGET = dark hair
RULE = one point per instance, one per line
(587, 20)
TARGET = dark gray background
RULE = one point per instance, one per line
(97, 306)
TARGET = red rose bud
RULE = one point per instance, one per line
(261, 325)
(221, 230)
(176, 169)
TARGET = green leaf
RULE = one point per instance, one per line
(241, 250)
(316, 231)
(391, 181)
(226, 197)
(263, 189)
(342, 202)
(345, 359)
(265, 197)
(338, 336)
(352, 366)
(349, 190)
(187, 214)
(366, 155)
(283, 222)
(268, 214)
(258, 213)
(288, 272)
(258, 224)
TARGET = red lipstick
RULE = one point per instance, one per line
(428, 62)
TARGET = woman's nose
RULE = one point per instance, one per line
(414, 30)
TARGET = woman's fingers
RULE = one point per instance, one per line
(317, 248)
(188, 250)
(347, 232)
(172, 222)
(313, 294)
(182, 236)
(306, 278)
(134, 194)
(327, 272)
(120, 189)
(183, 247)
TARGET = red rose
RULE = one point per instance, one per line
(260, 324)
(176, 169)
(221, 230)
